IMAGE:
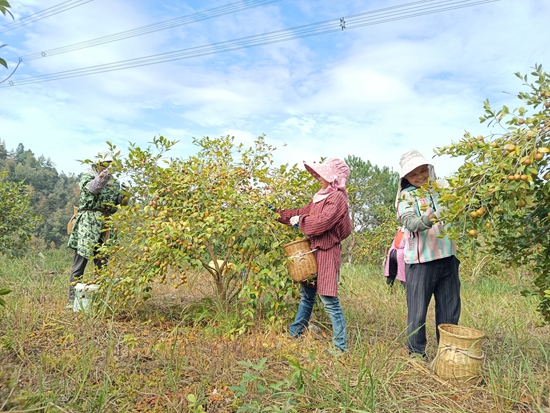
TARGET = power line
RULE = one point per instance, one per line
(385, 15)
(192, 18)
(43, 14)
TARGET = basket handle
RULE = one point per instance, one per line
(458, 350)
(301, 254)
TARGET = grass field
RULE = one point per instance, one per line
(179, 353)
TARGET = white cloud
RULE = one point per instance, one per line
(373, 92)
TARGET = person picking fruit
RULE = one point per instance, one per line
(431, 267)
(326, 221)
(99, 195)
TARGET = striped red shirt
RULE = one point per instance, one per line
(326, 223)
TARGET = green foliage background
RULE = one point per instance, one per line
(51, 194)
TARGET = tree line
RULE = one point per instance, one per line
(50, 196)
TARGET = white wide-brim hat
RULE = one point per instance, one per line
(412, 160)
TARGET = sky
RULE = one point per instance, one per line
(370, 90)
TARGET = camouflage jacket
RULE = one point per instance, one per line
(88, 227)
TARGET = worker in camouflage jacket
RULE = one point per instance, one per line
(99, 196)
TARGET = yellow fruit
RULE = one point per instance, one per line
(510, 147)
(481, 211)
(517, 177)
(521, 121)
(474, 214)
(521, 203)
(524, 177)
(538, 156)
(472, 233)
(488, 225)
(510, 177)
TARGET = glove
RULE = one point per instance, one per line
(295, 220)
(442, 183)
(105, 174)
(442, 210)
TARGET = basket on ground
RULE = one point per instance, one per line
(459, 354)
(301, 261)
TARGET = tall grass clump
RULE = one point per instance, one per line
(181, 352)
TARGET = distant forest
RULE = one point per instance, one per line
(53, 195)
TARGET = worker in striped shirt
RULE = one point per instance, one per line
(326, 221)
(431, 267)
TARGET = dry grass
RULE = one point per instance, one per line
(175, 354)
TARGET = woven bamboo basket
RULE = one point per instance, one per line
(459, 355)
(301, 261)
(70, 224)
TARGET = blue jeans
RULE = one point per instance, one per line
(332, 307)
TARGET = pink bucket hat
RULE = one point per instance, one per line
(333, 170)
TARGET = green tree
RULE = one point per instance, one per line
(501, 193)
(3, 152)
(208, 213)
(17, 220)
(371, 191)
(372, 243)
(369, 187)
(4, 6)
(53, 194)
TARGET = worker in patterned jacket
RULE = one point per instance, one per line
(99, 195)
(326, 221)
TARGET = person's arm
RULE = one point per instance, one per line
(286, 214)
(408, 216)
(416, 223)
(97, 184)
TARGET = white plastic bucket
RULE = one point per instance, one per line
(84, 294)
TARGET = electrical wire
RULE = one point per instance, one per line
(43, 14)
(192, 18)
(380, 16)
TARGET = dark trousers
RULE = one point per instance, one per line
(440, 279)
